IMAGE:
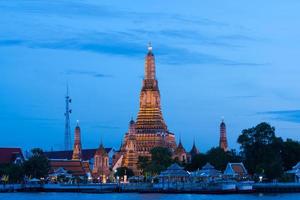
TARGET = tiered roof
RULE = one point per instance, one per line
(74, 167)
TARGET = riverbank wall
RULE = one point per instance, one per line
(147, 188)
(276, 187)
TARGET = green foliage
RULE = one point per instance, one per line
(219, 158)
(37, 166)
(15, 172)
(197, 162)
(143, 162)
(161, 158)
(215, 156)
(261, 150)
(121, 171)
(290, 153)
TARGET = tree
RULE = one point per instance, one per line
(37, 166)
(122, 171)
(161, 158)
(219, 158)
(261, 150)
(143, 163)
(197, 162)
(290, 153)
(14, 172)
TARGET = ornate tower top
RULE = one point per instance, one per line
(77, 150)
(149, 47)
(150, 64)
(223, 136)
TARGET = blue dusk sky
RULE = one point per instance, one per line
(237, 59)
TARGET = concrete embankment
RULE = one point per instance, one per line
(276, 187)
(149, 188)
(10, 187)
(88, 188)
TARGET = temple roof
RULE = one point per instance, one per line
(208, 166)
(9, 155)
(174, 170)
(194, 151)
(180, 148)
(101, 150)
(87, 154)
(74, 167)
(235, 169)
(207, 171)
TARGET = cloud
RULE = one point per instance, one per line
(107, 127)
(89, 73)
(168, 54)
(284, 115)
(84, 9)
(243, 96)
(10, 42)
(24, 118)
(128, 42)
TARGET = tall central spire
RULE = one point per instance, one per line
(150, 118)
(150, 64)
(149, 130)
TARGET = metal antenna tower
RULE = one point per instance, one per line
(68, 111)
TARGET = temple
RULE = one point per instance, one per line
(77, 150)
(150, 129)
(223, 137)
(101, 164)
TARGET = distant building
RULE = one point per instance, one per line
(11, 156)
(81, 162)
(180, 154)
(101, 164)
(236, 171)
(295, 173)
(223, 137)
(206, 173)
(69, 169)
(77, 150)
(173, 177)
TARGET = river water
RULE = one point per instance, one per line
(136, 196)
